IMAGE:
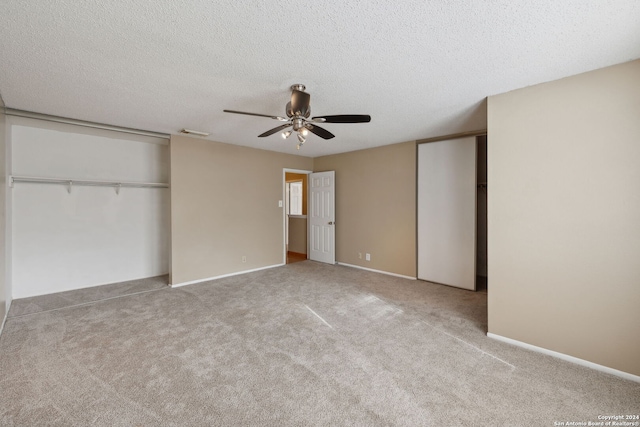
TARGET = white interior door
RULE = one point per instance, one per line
(322, 230)
(447, 212)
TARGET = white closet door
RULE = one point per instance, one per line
(447, 212)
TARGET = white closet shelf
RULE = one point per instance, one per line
(85, 182)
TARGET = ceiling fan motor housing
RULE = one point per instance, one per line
(299, 104)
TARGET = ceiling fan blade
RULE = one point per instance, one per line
(274, 130)
(322, 133)
(282, 119)
(344, 118)
(300, 103)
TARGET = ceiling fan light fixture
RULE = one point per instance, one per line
(301, 138)
(286, 134)
(304, 131)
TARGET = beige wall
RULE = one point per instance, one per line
(564, 216)
(215, 219)
(298, 235)
(376, 206)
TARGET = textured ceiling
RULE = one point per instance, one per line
(419, 68)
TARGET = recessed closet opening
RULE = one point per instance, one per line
(88, 206)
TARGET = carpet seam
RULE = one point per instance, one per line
(87, 303)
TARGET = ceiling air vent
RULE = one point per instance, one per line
(194, 132)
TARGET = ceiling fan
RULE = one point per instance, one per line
(298, 112)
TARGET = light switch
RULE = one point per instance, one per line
(279, 203)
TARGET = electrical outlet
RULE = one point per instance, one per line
(360, 255)
(368, 257)
(244, 258)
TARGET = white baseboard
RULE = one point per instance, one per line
(377, 271)
(5, 318)
(193, 282)
(566, 357)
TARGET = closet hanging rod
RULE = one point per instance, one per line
(86, 182)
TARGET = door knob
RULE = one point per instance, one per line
(331, 222)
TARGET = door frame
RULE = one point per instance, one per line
(284, 211)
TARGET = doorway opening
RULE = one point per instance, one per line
(481, 215)
(295, 215)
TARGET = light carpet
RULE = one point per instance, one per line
(302, 344)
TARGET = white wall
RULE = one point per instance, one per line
(5, 289)
(91, 236)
